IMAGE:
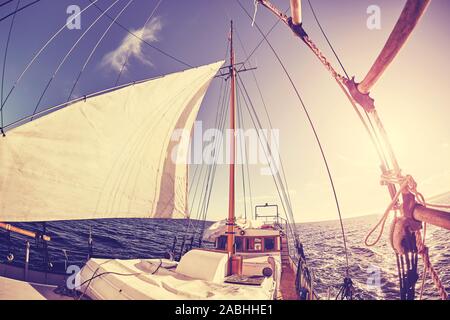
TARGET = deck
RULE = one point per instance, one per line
(18, 290)
(287, 289)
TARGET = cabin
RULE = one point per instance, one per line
(253, 241)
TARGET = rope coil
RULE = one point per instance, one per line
(428, 267)
(407, 184)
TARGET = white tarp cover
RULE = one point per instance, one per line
(107, 157)
(217, 229)
(133, 280)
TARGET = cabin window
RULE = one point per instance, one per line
(254, 244)
(269, 244)
(239, 243)
(221, 243)
(243, 244)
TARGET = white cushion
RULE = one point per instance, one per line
(204, 265)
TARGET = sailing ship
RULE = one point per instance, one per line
(110, 155)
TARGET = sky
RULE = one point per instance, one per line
(411, 97)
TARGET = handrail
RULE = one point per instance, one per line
(23, 232)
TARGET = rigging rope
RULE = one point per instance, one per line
(203, 205)
(245, 154)
(4, 67)
(371, 131)
(428, 267)
(390, 178)
(36, 55)
(68, 54)
(261, 42)
(326, 37)
(266, 147)
(6, 2)
(315, 134)
(406, 184)
(242, 137)
(129, 52)
(220, 105)
(304, 280)
(211, 172)
(95, 48)
(18, 10)
(267, 115)
(143, 40)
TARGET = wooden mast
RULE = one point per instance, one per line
(231, 195)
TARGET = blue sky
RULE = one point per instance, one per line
(411, 97)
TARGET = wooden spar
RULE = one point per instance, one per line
(296, 11)
(411, 14)
(432, 216)
(23, 232)
(231, 196)
(413, 11)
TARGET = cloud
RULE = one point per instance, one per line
(131, 46)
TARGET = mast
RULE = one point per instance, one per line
(231, 194)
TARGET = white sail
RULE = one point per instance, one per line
(106, 157)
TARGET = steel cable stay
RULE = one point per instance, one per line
(4, 67)
(247, 59)
(369, 126)
(219, 123)
(241, 148)
(304, 276)
(290, 212)
(39, 52)
(407, 268)
(370, 129)
(414, 208)
(304, 280)
(244, 159)
(316, 18)
(373, 136)
(266, 147)
(64, 104)
(144, 27)
(266, 111)
(207, 186)
(61, 29)
(267, 150)
(281, 190)
(6, 2)
(247, 165)
(200, 166)
(344, 290)
(94, 49)
(316, 137)
(343, 82)
(190, 225)
(285, 186)
(69, 53)
(211, 172)
(141, 39)
(17, 10)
